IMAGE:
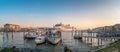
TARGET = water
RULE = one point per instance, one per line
(17, 39)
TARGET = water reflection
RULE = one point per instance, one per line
(17, 39)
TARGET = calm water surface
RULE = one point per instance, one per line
(17, 39)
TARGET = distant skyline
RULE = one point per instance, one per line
(83, 14)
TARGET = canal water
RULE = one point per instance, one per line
(17, 39)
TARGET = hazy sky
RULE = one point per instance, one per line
(80, 13)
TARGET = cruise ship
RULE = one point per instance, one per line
(62, 27)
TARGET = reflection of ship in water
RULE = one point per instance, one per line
(62, 27)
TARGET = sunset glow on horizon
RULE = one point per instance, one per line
(45, 13)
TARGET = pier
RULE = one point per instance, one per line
(100, 35)
(89, 40)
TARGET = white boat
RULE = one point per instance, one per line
(53, 40)
(54, 37)
(30, 35)
(40, 39)
(63, 27)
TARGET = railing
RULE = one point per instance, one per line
(101, 34)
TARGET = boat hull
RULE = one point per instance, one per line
(30, 36)
(42, 40)
(53, 40)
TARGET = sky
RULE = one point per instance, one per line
(82, 14)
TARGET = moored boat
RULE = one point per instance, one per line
(54, 37)
(30, 35)
(53, 40)
(40, 39)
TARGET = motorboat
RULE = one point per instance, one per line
(54, 40)
(30, 35)
(40, 39)
(54, 37)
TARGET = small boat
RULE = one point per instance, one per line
(40, 39)
(54, 37)
(30, 35)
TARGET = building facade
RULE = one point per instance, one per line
(12, 27)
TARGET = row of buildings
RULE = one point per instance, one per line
(108, 31)
(12, 27)
(112, 28)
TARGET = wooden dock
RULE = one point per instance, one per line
(90, 34)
